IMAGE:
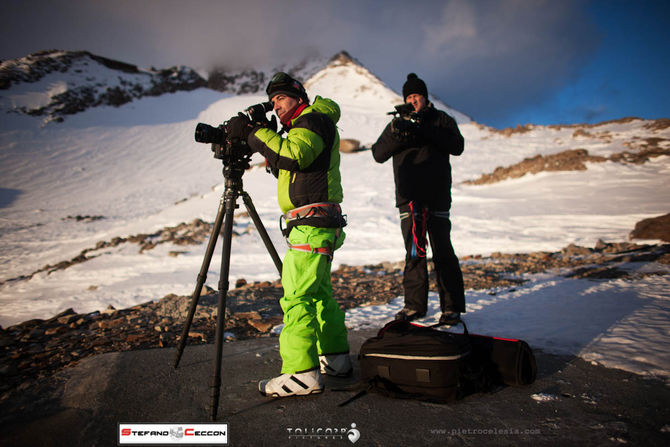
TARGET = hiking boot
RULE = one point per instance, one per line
(296, 384)
(337, 365)
(449, 317)
(408, 314)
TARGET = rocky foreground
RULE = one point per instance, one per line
(37, 348)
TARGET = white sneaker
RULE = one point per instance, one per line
(338, 365)
(296, 384)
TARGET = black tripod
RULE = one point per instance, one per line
(233, 189)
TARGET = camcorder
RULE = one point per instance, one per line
(234, 151)
(405, 122)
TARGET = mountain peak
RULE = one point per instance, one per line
(345, 79)
(254, 80)
(343, 58)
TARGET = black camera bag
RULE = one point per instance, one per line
(410, 361)
(506, 361)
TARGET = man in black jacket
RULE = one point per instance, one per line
(420, 144)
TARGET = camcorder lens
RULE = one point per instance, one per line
(257, 111)
(204, 133)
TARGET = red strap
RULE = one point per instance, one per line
(307, 248)
(420, 250)
(311, 209)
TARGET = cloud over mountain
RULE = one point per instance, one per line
(487, 58)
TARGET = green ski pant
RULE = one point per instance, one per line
(313, 321)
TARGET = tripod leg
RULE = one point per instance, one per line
(215, 385)
(263, 232)
(202, 277)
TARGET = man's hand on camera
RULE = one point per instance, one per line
(239, 127)
(403, 129)
(268, 123)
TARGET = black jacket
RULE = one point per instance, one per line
(421, 165)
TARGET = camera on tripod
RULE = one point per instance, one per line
(236, 154)
(233, 151)
(405, 122)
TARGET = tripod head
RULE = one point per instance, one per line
(234, 153)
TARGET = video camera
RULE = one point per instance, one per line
(405, 122)
(404, 110)
(233, 151)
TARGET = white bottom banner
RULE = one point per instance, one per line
(177, 434)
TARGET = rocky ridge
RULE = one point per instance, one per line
(37, 348)
(83, 80)
(186, 233)
(193, 233)
(641, 149)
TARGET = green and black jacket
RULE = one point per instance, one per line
(308, 159)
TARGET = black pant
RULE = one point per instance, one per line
(447, 269)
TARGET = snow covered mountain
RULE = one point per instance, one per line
(111, 175)
(362, 88)
(53, 84)
(255, 80)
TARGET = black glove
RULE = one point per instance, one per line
(239, 127)
(404, 129)
(267, 123)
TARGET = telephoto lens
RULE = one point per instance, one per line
(204, 133)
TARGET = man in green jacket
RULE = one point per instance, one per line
(306, 163)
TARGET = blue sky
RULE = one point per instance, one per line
(503, 62)
(628, 73)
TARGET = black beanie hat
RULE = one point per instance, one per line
(283, 83)
(414, 85)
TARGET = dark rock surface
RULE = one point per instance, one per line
(571, 403)
(653, 228)
(35, 349)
